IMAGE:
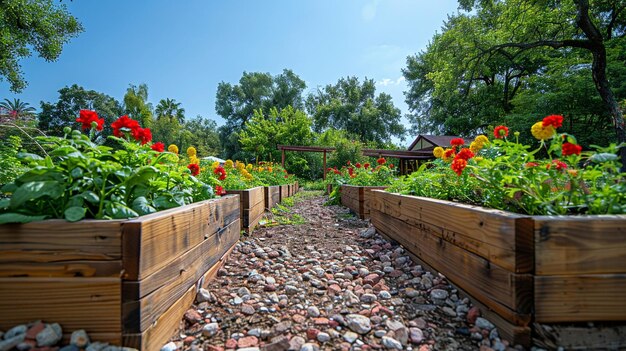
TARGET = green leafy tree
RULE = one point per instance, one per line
(16, 110)
(287, 127)
(170, 109)
(203, 136)
(136, 104)
(355, 107)
(256, 90)
(27, 25)
(56, 115)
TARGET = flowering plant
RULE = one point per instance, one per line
(507, 175)
(75, 178)
(380, 174)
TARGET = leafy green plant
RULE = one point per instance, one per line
(78, 178)
(10, 165)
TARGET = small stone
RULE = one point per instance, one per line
(71, 348)
(291, 290)
(254, 332)
(391, 343)
(210, 329)
(310, 347)
(192, 316)
(230, 344)
(358, 323)
(203, 295)
(9, 343)
(472, 314)
(247, 310)
(97, 346)
(384, 295)
(247, 349)
(17, 330)
(248, 341)
(438, 294)
(350, 336)
(323, 337)
(50, 335)
(296, 343)
(277, 345)
(368, 298)
(371, 279)
(482, 323)
(426, 282)
(313, 311)
(476, 336)
(380, 333)
(170, 346)
(26, 345)
(79, 338)
(449, 311)
(243, 291)
(416, 335)
(368, 233)
(411, 293)
(237, 301)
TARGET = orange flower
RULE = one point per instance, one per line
(458, 165)
(501, 132)
(381, 161)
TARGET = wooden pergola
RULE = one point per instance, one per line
(403, 155)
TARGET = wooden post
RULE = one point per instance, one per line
(324, 164)
(283, 158)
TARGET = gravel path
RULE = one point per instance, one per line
(331, 283)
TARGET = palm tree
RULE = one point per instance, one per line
(169, 108)
(16, 109)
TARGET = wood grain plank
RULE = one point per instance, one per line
(489, 283)
(272, 196)
(63, 269)
(59, 241)
(152, 241)
(75, 303)
(284, 192)
(583, 298)
(580, 245)
(571, 337)
(146, 300)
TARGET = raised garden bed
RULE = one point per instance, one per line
(251, 206)
(526, 271)
(358, 198)
(272, 196)
(125, 281)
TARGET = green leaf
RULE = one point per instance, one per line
(603, 157)
(91, 197)
(19, 218)
(77, 172)
(9, 188)
(63, 151)
(74, 213)
(29, 156)
(36, 190)
(142, 206)
(4, 203)
(119, 211)
(142, 175)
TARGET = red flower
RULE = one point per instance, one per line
(571, 149)
(87, 117)
(286, 176)
(366, 165)
(531, 164)
(160, 147)
(553, 120)
(348, 163)
(219, 191)
(458, 165)
(560, 165)
(381, 161)
(358, 165)
(457, 142)
(501, 132)
(219, 170)
(449, 153)
(391, 165)
(350, 170)
(465, 154)
(335, 170)
(194, 168)
(124, 123)
(144, 135)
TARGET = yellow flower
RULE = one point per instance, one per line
(475, 146)
(215, 164)
(249, 167)
(438, 152)
(228, 164)
(481, 139)
(478, 158)
(269, 169)
(542, 133)
(191, 151)
(450, 153)
(246, 174)
(173, 149)
(194, 160)
(240, 166)
(260, 169)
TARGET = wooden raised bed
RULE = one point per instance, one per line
(284, 192)
(523, 269)
(358, 198)
(251, 206)
(125, 281)
(272, 196)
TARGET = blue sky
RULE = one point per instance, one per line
(183, 49)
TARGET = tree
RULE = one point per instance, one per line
(16, 110)
(26, 25)
(256, 90)
(355, 108)
(204, 135)
(526, 31)
(170, 109)
(136, 104)
(54, 116)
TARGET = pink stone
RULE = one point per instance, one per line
(231, 344)
(472, 314)
(248, 341)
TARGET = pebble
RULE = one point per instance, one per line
(323, 337)
(296, 343)
(170, 346)
(482, 323)
(313, 311)
(358, 323)
(310, 347)
(15, 331)
(210, 329)
(79, 338)
(50, 335)
(391, 343)
(203, 295)
(350, 336)
(438, 294)
(9, 343)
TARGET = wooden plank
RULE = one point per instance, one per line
(517, 332)
(284, 192)
(597, 337)
(580, 245)
(583, 298)
(92, 304)
(59, 241)
(489, 283)
(63, 269)
(155, 337)
(150, 242)
(503, 238)
(272, 196)
(146, 300)
(221, 213)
